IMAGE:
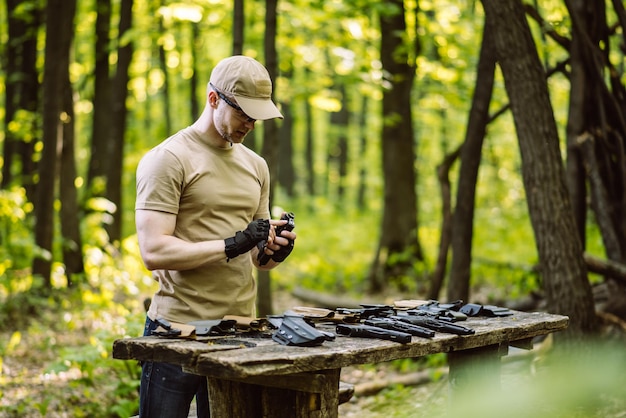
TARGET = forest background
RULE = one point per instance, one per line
(430, 149)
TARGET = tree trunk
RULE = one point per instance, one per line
(59, 30)
(562, 267)
(239, 24)
(309, 153)
(193, 82)
(580, 103)
(398, 246)
(21, 100)
(596, 125)
(115, 142)
(70, 221)
(270, 143)
(463, 217)
(338, 144)
(443, 174)
(98, 171)
(17, 29)
(362, 187)
(167, 114)
(286, 169)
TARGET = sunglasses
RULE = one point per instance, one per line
(230, 103)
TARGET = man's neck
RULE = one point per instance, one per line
(206, 129)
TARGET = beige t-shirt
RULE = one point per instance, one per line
(214, 192)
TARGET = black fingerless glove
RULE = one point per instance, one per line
(284, 251)
(245, 240)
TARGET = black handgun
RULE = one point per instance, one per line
(394, 324)
(367, 331)
(289, 226)
(435, 324)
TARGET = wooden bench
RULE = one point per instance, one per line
(260, 378)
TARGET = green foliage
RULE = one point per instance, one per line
(69, 332)
(333, 249)
(16, 251)
(16, 241)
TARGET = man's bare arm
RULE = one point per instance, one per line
(160, 249)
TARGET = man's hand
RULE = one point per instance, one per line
(284, 251)
(243, 241)
(283, 243)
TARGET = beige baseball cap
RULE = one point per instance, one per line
(249, 82)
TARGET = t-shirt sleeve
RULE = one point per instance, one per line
(159, 182)
(263, 210)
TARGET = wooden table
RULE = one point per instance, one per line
(257, 377)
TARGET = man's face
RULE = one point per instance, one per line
(232, 125)
(231, 122)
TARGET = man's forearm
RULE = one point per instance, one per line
(171, 253)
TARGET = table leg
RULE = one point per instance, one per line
(474, 373)
(306, 395)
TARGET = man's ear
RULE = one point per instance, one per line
(213, 99)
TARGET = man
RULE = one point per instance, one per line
(202, 216)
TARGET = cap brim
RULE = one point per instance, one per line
(259, 109)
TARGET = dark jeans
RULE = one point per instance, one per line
(166, 391)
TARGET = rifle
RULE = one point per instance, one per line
(396, 325)
(423, 320)
(368, 331)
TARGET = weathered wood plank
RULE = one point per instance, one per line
(178, 351)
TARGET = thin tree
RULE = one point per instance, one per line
(59, 31)
(21, 97)
(463, 217)
(97, 174)
(398, 245)
(119, 111)
(338, 145)
(270, 141)
(309, 152)
(363, 131)
(194, 81)
(286, 169)
(239, 24)
(68, 194)
(443, 175)
(162, 54)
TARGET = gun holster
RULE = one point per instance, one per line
(475, 309)
(294, 330)
(214, 327)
